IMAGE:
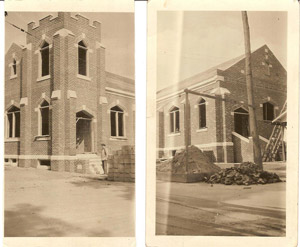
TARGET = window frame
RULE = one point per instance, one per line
(40, 119)
(265, 111)
(12, 127)
(85, 49)
(45, 47)
(174, 113)
(13, 69)
(202, 104)
(87, 58)
(117, 122)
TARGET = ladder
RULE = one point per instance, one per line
(274, 141)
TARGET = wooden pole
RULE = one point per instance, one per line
(252, 115)
(187, 127)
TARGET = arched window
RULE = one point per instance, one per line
(13, 122)
(82, 58)
(202, 113)
(268, 111)
(45, 59)
(116, 121)
(241, 122)
(174, 120)
(44, 118)
(14, 67)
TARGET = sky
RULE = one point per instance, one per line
(117, 36)
(193, 41)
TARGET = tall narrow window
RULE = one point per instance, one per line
(44, 118)
(268, 111)
(13, 123)
(45, 59)
(82, 58)
(117, 121)
(202, 113)
(14, 67)
(174, 120)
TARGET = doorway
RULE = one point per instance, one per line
(83, 133)
(241, 122)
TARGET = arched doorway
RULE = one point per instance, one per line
(84, 132)
(241, 122)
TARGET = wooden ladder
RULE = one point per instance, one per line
(274, 143)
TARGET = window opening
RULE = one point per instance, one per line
(45, 59)
(202, 113)
(117, 121)
(44, 110)
(268, 111)
(82, 58)
(13, 122)
(174, 120)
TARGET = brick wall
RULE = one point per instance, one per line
(268, 87)
(63, 34)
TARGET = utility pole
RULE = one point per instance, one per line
(187, 128)
(249, 82)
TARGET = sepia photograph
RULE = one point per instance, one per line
(69, 159)
(221, 123)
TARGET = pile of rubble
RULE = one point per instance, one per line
(246, 173)
(198, 162)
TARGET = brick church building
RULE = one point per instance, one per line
(221, 128)
(60, 103)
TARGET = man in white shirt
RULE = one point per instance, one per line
(104, 155)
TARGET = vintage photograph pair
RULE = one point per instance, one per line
(222, 123)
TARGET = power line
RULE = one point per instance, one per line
(21, 29)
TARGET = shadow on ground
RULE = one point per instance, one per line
(199, 216)
(27, 220)
(127, 189)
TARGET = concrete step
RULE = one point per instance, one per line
(95, 167)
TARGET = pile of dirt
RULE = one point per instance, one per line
(246, 173)
(198, 163)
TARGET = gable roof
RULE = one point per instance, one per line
(14, 46)
(207, 74)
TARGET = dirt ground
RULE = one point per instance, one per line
(42, 203)
(220, 210)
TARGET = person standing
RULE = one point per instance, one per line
(104, 155)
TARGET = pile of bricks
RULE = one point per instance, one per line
(121, 165)
(246, 173)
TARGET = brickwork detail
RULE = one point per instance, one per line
(269, 86)
(66, 91)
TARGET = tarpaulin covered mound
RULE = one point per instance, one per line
(199, 168)
(246, 173)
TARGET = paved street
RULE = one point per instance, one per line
(202, 209)
(42, 203)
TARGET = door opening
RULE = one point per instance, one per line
(83, 133)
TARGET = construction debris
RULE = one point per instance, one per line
(200, 167)
(246, 173)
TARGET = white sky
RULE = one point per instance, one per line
(117, 36)
(191, 42)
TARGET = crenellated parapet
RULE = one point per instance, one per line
(76, 23)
